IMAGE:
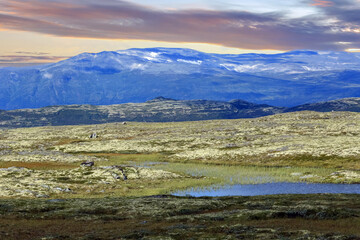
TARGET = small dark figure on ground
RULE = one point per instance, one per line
(93, 135)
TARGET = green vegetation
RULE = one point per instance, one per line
(225, 174)
(39, 165)
(44, 189)
(308, 160)
(167, 217)
(131, 159)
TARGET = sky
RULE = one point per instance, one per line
(39, 31)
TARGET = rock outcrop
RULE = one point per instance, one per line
(18, 181)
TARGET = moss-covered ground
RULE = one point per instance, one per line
(167, 217)
(45, 194)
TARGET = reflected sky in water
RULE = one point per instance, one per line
(271, 188)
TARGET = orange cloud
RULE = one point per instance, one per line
(27, 59)
(322, 3)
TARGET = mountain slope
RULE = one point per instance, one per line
(137, 75)
(346, 104)
(157, 110)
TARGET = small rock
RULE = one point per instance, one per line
(42, 196)
(116, 176)
(12, 169)
(308, 176)
(63, 189)
(346, 175)
(87, 164)
(231, 145)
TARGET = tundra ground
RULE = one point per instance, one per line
(43, 185)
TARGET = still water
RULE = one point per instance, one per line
(270, 188)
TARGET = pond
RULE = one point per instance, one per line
(235, 180)
(270, 188)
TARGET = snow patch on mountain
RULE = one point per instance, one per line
(135, 66)
(198, 62)
(258, 68)
(47, 75)
(152, 56)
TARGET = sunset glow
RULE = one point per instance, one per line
(62, 28)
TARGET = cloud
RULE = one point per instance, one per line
(31, 53)
(7, 60)
(346, 11)
(322, 3)
(109, 19)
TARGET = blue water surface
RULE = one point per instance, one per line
(270, 188)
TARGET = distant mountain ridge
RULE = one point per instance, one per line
(346, 104)
(137, 75)
(159, 109)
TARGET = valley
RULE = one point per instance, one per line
(143, 163)
(176, 120)
(300, 146)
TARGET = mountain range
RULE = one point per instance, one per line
(159, 109)
(138, 75)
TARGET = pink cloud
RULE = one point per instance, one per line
(322, 3)
(123, 20)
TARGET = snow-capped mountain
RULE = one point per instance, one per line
(137, 75)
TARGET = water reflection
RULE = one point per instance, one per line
(270, 188)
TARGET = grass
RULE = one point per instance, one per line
(126, 159)
(159, 217)
(288, 147)
(245, 151)
(308, 160)
(246, 174)
(299, 162)
(348, 226)
(203, 175)
(195, 175)
(39, 165)
(136, 188)
(69, 141)
(291, 160)
(224, 174)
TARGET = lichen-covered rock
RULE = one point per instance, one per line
(346, 176)
(43, 156)
(35, 183)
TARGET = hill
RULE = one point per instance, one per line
(157, 110)
(346, 104)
